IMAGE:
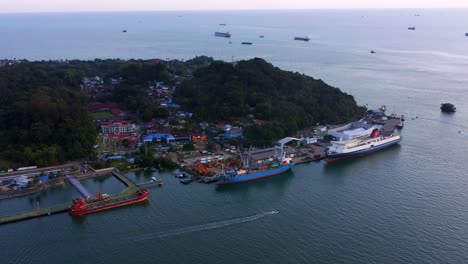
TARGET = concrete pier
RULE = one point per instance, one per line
(33, 214)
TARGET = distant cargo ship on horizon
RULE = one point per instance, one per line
(302, 38)
(222, 34)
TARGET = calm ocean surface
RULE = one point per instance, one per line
(407, 204)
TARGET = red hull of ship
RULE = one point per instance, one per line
(143, 196)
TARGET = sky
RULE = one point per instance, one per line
(15, 6)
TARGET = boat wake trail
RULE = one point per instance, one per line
(209, 226)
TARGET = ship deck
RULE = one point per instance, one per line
(389, 126)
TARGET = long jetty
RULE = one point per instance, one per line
(131, 188)
(33, 214)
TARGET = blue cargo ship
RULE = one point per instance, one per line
(233, 175)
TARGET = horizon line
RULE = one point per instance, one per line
(224, 10)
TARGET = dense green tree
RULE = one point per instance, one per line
(290, 101)
(188, 147)
(43, 117)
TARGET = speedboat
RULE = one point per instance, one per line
(186, 180)
(179, 175)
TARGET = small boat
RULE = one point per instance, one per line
(179, 175)
(400, 125)
(208, 179)
(261, 36)
(124, 31)
(186, 180)
(158, 181)
(372, 52)
(466, 34)
(302, 38)
(448, 108)
(222, 24)
(246, 43)
(411, 28)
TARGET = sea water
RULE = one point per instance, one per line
(406, 204)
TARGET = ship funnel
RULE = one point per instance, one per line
(375, 133)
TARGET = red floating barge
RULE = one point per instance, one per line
(81, 206)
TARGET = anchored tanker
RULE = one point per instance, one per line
(302, 38)
(222, 34)
(104, 202)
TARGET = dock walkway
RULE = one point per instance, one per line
(132, 187)
(123, 178)
(36, 213)
(79, 187)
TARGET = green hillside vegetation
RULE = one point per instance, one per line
(43, 118)
(290, 101)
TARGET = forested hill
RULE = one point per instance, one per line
(43, 118)
(225, 91)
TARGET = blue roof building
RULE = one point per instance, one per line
(159, 138)
(234, 133)
(173, 105)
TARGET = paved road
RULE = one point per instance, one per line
(51, 168)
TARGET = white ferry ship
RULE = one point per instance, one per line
(359, 146)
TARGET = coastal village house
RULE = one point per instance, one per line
(118, 131)
(233, 133)
(199, 138)
(118, 128)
